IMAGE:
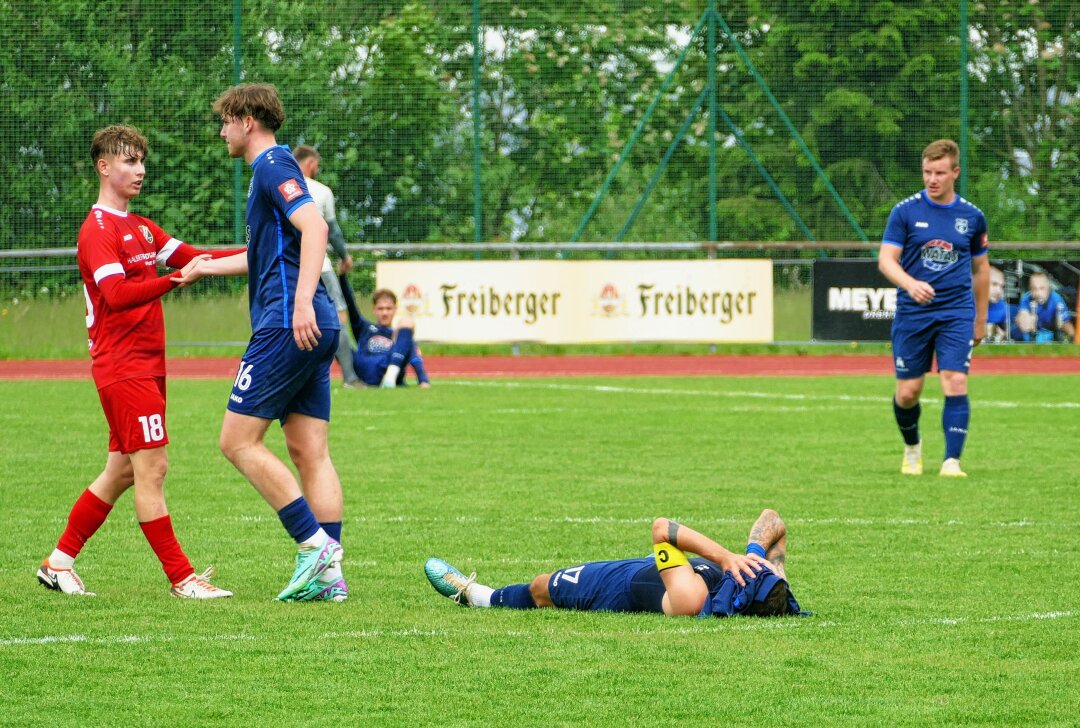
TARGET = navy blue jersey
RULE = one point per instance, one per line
(937, 245)
(635, 585)
(277, 190)
(374, 347)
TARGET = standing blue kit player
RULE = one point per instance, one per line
(934, 251)
(719, 584)
(383, 352)
(285, 372)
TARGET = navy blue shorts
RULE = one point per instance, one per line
(371, 369)
(277, 378)
(597, 586)
(915, 340)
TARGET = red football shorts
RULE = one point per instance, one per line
(135, 411)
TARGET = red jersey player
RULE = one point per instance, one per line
(118, 255)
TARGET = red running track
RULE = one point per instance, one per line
(599, 366)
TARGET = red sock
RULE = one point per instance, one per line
(86, 517)
(159, 532)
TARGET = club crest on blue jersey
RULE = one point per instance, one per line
(939, 255)
(961, 225)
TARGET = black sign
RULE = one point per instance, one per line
(852, 302)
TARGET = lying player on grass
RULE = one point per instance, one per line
(719, 584)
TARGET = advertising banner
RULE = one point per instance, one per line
(852, 302)
(564, 302)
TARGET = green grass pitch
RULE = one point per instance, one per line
(937, 602)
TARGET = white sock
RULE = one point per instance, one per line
(479, 595)
(59, 560)
(332, 574)
(390, 378)
(316, 541)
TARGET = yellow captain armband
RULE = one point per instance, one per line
(667, 556)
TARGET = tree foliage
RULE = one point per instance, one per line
(385, 91)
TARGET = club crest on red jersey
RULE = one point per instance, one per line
(290, 190)
(149, 236)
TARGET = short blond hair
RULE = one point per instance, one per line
(305, 151)
(118, 139)
(257, 100)
(940, 149)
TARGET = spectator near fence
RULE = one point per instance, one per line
(1043, 316)
(999, 312)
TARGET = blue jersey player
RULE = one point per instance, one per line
(934, 251)
(383, 352)
(285, 372)
(719, 584)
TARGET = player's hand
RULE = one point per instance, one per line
(191, 272)
(980, 332)
(922, 292)
(345, 265)
(306, 332)
(743, 564)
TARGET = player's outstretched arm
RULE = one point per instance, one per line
(234, 265)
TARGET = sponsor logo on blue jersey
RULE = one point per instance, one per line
(939, 255)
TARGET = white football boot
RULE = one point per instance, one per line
(198, 586)
(912, 462)
(62, 580)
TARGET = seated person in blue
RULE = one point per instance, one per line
(382, 352)
(718, 584)
(999, 314)
(1043, 314)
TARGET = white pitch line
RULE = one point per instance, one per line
(598, 633)
(611, 520)
(877, 400)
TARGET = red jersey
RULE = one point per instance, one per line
(130, 341)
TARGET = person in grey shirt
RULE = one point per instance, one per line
(309, 160)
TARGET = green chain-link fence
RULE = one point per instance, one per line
(820, 111)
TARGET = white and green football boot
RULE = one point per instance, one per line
(448, 581)
(310, 563)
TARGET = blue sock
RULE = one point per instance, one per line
(954, 420)
(402, 349)
(755, 548)
(908, 422)
(333, 529)
(515, 596)
(298, 520)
